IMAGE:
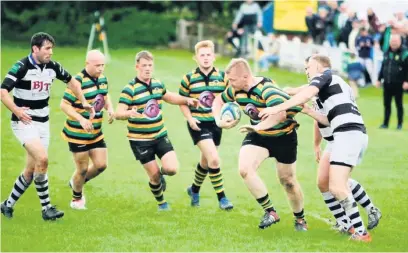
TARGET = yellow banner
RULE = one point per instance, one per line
(289, 15)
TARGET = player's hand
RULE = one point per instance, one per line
(111, 115)
(22, 115)
(318, 153)
(306, 109)
(248, 129)
(405, 85)
(378, 84)
(90, 109)
(269, 111)
(226, 123)
(133, 113)
(193, 124)
(86, 124)
(193, 102)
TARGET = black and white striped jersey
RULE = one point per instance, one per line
(325, 131)
(337, 100)
(31, 85)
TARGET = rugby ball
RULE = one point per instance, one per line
(152, 109)
(230, 111)
(99, 102)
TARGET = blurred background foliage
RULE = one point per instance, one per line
(148, 23)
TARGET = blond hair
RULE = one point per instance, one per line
(322, 60)
(240, 63)
(143, 55)
(204, 44)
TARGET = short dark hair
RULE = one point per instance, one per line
(38, 39)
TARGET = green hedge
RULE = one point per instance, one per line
(126, 27)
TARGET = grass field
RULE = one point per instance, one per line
(122, 213)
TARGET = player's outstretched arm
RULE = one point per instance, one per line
(294, 90)
(190, 119)
(317, 140)
(109, 108)
(302, 97)
(75, 86)
(124, 112)
(176, 99)
(70, 112)
(216, 108)
(266, 123)
(322, 119)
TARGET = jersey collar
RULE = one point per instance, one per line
(32, 61)
(198, 71)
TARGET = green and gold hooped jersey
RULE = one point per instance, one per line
(73, 131)
(147, 99)
(204, 88)
(263, 95)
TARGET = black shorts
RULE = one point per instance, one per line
(209, 130)
(283, 148)
(77, 148)
(146, 151)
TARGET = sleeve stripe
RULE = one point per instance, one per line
(184, 90)
(275, 101)
(273, 97)
(11, 77)
(125, 95)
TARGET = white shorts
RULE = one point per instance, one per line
(329, 147)
(34, 130)
(348, 148)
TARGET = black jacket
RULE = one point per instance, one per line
(394, 69)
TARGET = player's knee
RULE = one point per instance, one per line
(102, 168)
(288, 183)
(323, 185)
(82, 171)
(244, 172)
(337, 190)
(42, 161)
(213, 162)
(155, 178)
(171, 171)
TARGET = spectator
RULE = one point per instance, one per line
(327, 21)
(353, 36)
(231, 36)
(394, 76)
(334, 15)
(250, 15)
(311, 19)
(364, 45)
(373, 21)
(271, 54)
(355, 71)
(385, 36)
(320, 27)
(343, 16)
(348, 27)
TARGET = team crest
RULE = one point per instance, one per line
(252, 112)
(152, 109)
(206, 98)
